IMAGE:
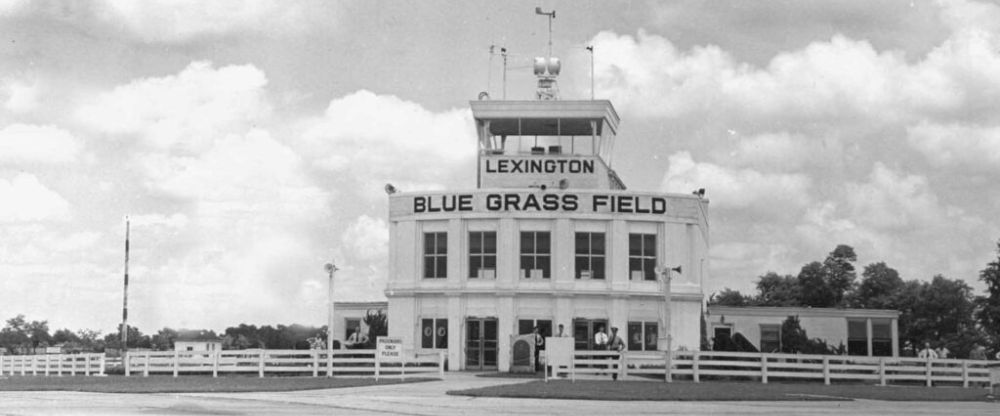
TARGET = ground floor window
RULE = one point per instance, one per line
(584, 331)
(350, 324)
(642, 336)
(434, 333)
(881, 338)
(857, 337)
(770, 338)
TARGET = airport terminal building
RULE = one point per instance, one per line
(550, 236)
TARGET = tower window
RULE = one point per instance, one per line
(436, 255)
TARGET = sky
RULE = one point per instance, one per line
(249, 141)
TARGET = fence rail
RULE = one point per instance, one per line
(53, 364)
(359, 363)
(699, 365)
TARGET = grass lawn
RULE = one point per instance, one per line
(185, 384)
(722, 391)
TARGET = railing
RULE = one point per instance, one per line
(699, 365)
(315, 363)
(52, 364)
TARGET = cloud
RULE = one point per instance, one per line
(736, 189)
(958, 146)
(25, 143)
(367, 239)
(374, 139)
(21, 97)
(28, 200)
(174, 21)
(184, 112)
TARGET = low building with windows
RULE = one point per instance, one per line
(197, 341)
(351, 316)
(550, 236)
(865, 332)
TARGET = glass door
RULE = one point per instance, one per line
(481, 344)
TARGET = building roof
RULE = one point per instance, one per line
(546, 118)
(196, 336)
(802, 311)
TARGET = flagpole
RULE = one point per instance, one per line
(124, 328)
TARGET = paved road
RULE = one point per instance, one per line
(429, 399)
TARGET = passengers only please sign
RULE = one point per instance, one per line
(539, 202)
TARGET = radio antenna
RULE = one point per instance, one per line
(551, 15)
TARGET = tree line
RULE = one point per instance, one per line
(20, 336)
(942, 311)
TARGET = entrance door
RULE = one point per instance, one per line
(481, 344)
(584, 330)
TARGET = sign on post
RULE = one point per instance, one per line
(389, 349)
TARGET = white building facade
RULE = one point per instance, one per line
(549, 237)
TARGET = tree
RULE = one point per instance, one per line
(794, 339)
(879, 288)
(814, 288)
(378, 325)
(14, 337)
(38, 333)
(840, 274)
(988, 307)
(136, 339)
(728, 297)
(775, 290)
(939, 312)
(164, 339)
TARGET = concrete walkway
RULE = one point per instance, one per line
(429, 398)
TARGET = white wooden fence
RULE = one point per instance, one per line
(698, 365)
(357, 363)
(53, 364)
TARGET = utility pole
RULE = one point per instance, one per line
(124, 328)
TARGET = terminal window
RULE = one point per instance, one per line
(350, 324)
(536, 254)
(770, 338)
(590, 255)
(642, 256)
(434, 333)
(482, 254)
(857, 337)
(642, 336)
(881, 337)
(436, 255)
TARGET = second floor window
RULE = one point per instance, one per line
(590, 255)
(642, 256)
(536, 254)
(482, 254)
(436, 255)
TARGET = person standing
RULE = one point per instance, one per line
(539, 345)
(561, 334)
(927, 352)
(617, 345)
(600, 339)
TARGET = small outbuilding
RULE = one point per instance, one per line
(197, 341)
(864, 332)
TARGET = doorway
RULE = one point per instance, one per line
(481, 344)
(584, 331)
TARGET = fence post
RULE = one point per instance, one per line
(441, 364)
(59, 364)
(329, 362)
(72, 365)
(34, 365)
(668, 372)
(928, 372)
(378, 366)
(46, 365)
(763, 367)
(145, 370)
(826, 370)
(881, 371)
(965, 373)
(102, 364)
(177, 359)
(260, 364)
(315, 356)
(572, 367)
(1, 365)
(86, 365)
(215, 363)
(694, 367)
(127, 363)
(622, 370)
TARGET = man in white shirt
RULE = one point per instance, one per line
(927, 352)
(357, 339)
(600, 339)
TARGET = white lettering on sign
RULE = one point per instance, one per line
(539, 166)
(389, 349)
